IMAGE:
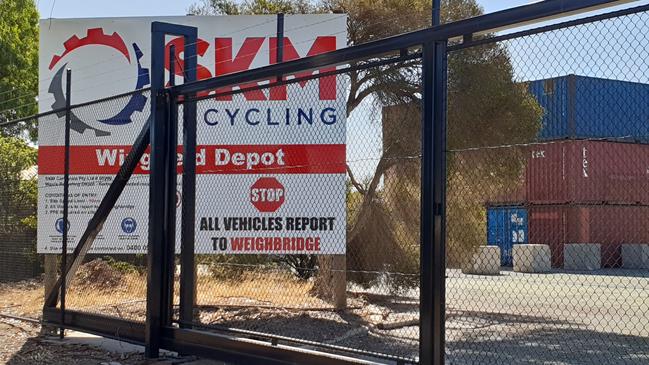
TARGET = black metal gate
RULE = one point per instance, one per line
(428, 195)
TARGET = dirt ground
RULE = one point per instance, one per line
(22, 344)
(598, 317)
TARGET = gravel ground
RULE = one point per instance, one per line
(556, 318)
(21, 344)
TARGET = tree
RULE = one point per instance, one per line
(18, 195)
(486, 107)
(229, 7)
(17, 184)
(18, 59)
(18, 90)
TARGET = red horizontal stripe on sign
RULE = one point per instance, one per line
(210, 159)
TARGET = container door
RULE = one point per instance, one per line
(516, 233)
(497, 229)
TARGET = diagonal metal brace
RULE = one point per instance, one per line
(105, 207)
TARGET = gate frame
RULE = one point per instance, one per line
(163, 185)
(159, 332)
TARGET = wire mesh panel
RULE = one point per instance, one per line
(111, 279)
(308, 191)
(546, 204)
(20, 266)
(307, 211)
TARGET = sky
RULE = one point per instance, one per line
(84, 9)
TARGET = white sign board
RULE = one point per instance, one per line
(270, 162)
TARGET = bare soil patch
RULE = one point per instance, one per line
(22, 344)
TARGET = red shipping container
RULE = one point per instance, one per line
(588, 172)
(608, 225)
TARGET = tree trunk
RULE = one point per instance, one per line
(331, 282)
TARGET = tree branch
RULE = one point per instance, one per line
(363, 216)
(355, 182)
(353, 88)
(363, 94)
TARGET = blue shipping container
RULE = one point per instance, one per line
(506, 226)
(588, 107)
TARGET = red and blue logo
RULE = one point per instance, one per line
(136, 102)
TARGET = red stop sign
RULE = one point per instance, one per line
(267, 194)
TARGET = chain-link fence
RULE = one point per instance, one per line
(111, 279)
(547, 199)
(311, 237)
(20, 265)
(18, 174)
(336, 264)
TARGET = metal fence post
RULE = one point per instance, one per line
(433, 202)
(66, 186)
(437, 12)
(188, 200)
(280, 38)
(171, 176)
(279, 51)
(155, 257)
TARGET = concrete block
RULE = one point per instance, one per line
(635, 256)
(582, 256)
(199, 270)
(532, 258)
(484, 261)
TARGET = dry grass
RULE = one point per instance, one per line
(24, 298)
(274, 289)
(127, 298)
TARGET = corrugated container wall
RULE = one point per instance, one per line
(506, 227)
(588, 172)
(588, 107)
(608, 225)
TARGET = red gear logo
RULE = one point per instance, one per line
(94, 36)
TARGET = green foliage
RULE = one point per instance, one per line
(18, 191)
(370, 20)
(18, 196)
(18, 58)
(246, 7)
(486, 108)
(231, 267)
(122, 266)
(302, 266)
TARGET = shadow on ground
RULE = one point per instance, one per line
(342, 329)
(506, 339)
(472, 338)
